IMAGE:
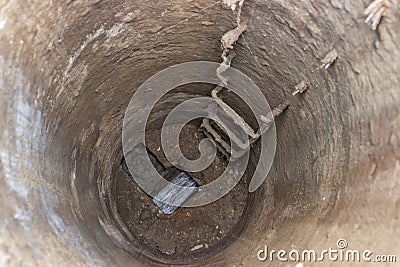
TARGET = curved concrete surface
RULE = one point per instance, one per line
(69, 68)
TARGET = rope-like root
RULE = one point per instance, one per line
(376, 10)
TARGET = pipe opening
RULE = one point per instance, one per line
(69, 69)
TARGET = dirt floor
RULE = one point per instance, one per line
(189, 232)
(68, 70)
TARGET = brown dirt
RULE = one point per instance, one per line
(213, 226)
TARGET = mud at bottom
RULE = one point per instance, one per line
(189, 234)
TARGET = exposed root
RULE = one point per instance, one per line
(222, 146)
(376, 10)
(218, 128)
(269, 119)
(329, 59)
(229, 39)
(223, 129)
(233, 3)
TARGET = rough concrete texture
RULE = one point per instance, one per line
(69, 68)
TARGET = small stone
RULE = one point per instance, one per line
(197, 247)
(179, 195)
(167, 250)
